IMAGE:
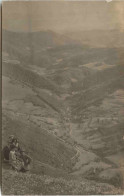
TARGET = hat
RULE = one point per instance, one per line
(11, 138)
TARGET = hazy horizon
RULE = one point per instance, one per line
(61, 16)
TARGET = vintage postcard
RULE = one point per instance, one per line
(63, 97)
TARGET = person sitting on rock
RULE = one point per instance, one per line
(13, 152)
(15, 159)
(15, 145)
(6, 150)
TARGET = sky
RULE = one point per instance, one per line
(62, 16)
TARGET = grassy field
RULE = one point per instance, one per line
(14, 184)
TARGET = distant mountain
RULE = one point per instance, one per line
(31, 47)
(96, 38)
(36, 39)
(99, 38)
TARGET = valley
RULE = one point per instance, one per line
(64, 100)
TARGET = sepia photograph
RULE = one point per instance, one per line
(62, 97)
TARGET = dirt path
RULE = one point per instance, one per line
(78, 153)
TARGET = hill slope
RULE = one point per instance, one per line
(64, 101)
(47, 185)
